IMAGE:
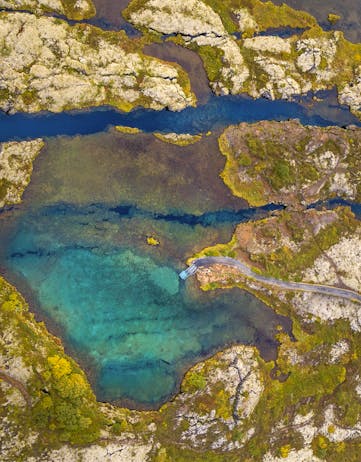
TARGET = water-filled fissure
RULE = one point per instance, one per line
(77, 247)
(216, 114)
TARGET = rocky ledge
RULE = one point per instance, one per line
(238, 61)
(46, 64)
(16, 166)
(306, 404)
(47, 401)
(180, 139)
(291, 164)
(72, 9)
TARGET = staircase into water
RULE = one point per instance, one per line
(192, 269)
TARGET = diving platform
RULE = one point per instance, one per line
(192, 269)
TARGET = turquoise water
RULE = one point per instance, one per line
(126, 312)
(77, 249)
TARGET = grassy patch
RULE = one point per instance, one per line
(212, 58)
(278, 162)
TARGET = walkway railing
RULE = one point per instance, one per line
(286, 285)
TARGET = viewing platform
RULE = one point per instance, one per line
(192, 269)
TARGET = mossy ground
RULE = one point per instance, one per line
(74, 13)
(127, 130)
(64, 408)
(263, 165)
(304, 379)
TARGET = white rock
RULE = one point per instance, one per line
(338, 433)
(338, 350)
(270, 43)
(187, 17)
(341, 185)
(68, 72)
(82, 7)
(350, 94)
(245, 20)
(16, 167)
(113, 452)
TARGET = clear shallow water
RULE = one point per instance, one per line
(77, 249)
(123, 309)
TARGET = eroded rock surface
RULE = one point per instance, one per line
(16, 166)
(72, 9)
(268, 66)
(47, 64)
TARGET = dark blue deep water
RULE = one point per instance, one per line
(217, 113)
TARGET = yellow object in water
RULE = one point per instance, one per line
(152, 241)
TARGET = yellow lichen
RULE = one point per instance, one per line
(128, 130)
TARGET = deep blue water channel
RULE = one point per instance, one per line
(217, 113)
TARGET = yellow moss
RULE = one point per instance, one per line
(322, 442)
(253, 192)
(128, 130)
(59, 366)
(285, 450)
(333, 18)
(340, 447)
(223, 407)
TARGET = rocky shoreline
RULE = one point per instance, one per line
(46, 64)
(292, 164)
(237, 60)
(16, 166)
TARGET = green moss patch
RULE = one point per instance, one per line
(288, 163)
